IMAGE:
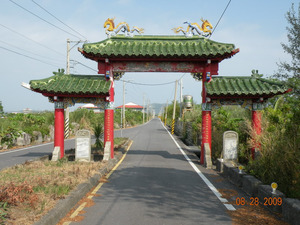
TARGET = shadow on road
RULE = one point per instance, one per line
(162, 153)
(170, 194)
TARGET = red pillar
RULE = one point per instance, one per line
(109, 129)
(206, 115)
(256, 124)
(59, 124)
(206, 132)
(109, 112)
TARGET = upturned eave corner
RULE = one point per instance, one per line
(86, 55)
(235, 51)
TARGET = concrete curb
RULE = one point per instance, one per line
(64, 206)
(290, 208)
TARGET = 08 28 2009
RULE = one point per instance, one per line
(268, 201)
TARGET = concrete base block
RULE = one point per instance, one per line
(236, 177)
(227, 166)
(250, 185)
(56, 154)
(264, 193)
(291, 210)
(207, 160)
(220, 165)
(107, 148)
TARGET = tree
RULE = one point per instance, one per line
(290, 72)
(1, 108)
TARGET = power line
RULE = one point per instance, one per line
(22, 35)
(58, 19)
(14, 46)
(44, 19)
(84, 65)
(27, 56)
(171, 82)
(149, 84)
(220, 18)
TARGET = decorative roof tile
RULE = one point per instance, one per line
(158, 47)
(223, 86)
(72, 85)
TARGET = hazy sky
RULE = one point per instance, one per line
(257, 27)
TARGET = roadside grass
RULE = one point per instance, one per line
(30, 190)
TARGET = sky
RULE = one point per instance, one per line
(33, 47)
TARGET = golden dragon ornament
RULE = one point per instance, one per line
(194, 28)
(112, 30)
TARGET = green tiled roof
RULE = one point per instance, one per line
(243, 86)
(158, 47)
(72, 85)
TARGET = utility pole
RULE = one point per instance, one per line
(124, 124)
(174, 109)
(143, 108)
(147, 110)
(68, 52)
(67, 112)
(67, 115)
(166, 114)
(181, 98)
(68, 56)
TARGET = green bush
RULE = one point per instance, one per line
(98, 132)
(280, 149)
(230, 118)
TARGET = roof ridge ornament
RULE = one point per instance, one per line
(60, 72)
(201, 31)
(113, 30)
(255, 74)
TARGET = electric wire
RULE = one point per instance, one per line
(148, 84)
(84, 65)
(27, 56)
(24, 36)
(14, 46)
(44, 19)
(58, 19)
(220, 18)
(159, 84)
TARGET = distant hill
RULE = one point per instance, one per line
(157, 107)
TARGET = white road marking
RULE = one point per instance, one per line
(207, 182)
(22, 149)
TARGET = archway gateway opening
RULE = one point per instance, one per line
(119, 54)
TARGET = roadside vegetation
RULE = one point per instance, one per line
(13, 125)
(29, 191)
(279, 159)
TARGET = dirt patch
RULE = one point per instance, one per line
(30, 190)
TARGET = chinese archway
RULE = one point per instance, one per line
(119, 54)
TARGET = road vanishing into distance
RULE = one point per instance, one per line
(159, 182)
(155, 185)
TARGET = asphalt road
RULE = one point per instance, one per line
(21, 155)
(155, 184)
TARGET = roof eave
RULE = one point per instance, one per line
(70, 95)
(168, 58)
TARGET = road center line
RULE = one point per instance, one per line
(206, 181)
(81, 207)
